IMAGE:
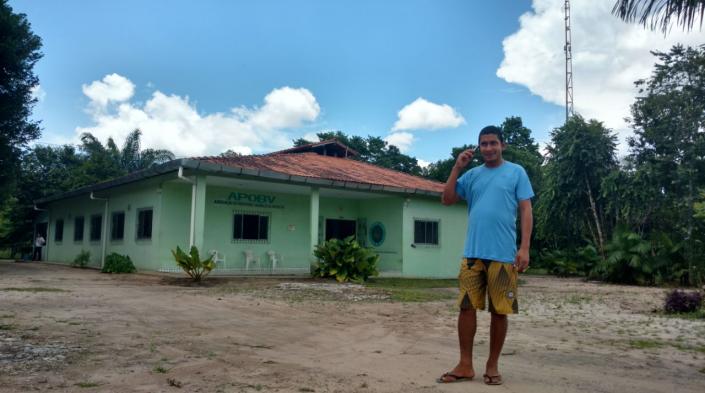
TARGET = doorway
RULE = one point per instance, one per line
(340, 229)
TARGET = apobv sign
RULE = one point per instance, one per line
(249, 199)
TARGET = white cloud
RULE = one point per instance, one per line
(37, 92)
(113, 87)
(173, 122)
(423, 114)
(423, 163)
(311, 137)
(608, 56)
(402, 140)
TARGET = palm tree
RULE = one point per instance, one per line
(130, 158)
(659, 12)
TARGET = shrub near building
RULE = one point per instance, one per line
(116, 263)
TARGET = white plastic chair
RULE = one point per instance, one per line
(274, 258)
(219, 259)
(250, 258)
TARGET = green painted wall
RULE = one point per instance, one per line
(66, 250)
(431, 261)
(175, 222)
(128, 199)
(289, 230)
(389, 212)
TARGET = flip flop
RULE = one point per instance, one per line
(456, 378)
(492, 379)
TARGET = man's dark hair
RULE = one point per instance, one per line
(491, 130)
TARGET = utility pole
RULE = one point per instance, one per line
(568, 64)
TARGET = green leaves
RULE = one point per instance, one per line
(192, 264)
(345, 260)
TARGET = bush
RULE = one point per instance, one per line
(345, 260)
(558, 263)
(116, 263)
(192, 264)
(683, 301)
(82, 259)
(629, 260)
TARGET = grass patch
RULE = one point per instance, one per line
(7, 327)
(408, 283)
(33, 289)
(645, 344)
(407, 295)
(87, 384)
(536, 271)
(688, 348)
(578, 299)
(160, 370)
(695, 315)
(409, 290)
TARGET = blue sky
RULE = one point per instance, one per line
(202, 77)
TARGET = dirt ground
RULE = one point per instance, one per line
(70, 330)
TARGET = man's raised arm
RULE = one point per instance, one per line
(449, 196)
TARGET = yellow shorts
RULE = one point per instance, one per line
(479, 278)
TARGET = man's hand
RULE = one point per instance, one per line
(464, 158)
(521, 261)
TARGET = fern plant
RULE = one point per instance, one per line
(192, 263)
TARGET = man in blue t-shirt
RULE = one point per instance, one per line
(494, 191)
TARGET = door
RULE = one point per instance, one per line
(41, 230)
(340, 229)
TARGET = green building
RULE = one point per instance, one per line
(259, 214)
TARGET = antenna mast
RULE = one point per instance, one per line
(568, 64)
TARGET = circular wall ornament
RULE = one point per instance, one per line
(377, 234)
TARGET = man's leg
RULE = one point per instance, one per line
(498, 331)
(467, 326)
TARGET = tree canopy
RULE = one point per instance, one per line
(19, 52)
(661, 13)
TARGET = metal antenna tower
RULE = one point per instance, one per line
(568, 64)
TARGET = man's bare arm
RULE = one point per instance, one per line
(449, 196)
(527, 223)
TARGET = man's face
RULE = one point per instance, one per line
(491, 148)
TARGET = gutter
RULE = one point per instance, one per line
(104, 233)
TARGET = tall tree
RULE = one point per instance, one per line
(668, 147)
(45, 171)
(108, 161)
(660, 13)
(570, 207)
(19, 52)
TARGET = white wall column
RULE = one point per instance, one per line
(314, 219)
(200, 214)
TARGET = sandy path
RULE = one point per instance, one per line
(134, 333)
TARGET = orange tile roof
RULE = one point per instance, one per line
(313, 165)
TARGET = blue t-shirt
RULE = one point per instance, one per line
(493, 195)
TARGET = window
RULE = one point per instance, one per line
(426, 232)
(96, 224)
(78, 229)
(117, 226)
(59, 231)
(144, 224)
(251, 227)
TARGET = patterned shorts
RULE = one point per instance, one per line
(479, 278)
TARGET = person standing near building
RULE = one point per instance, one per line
(39, 242)
(494, 192)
